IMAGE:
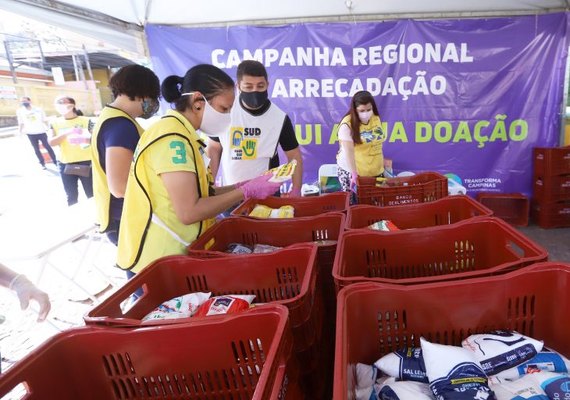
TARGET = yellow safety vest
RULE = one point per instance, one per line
(100, 187)
(75, 147)
(368, 154)
(144, 235)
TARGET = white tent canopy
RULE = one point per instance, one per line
(121, 22)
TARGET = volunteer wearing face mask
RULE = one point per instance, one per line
(70, 132)
(115, 137)
(360, 138)
(170, 199)
(257, 127)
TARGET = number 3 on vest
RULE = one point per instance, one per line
(180, 152)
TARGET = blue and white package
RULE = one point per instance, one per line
(547, 360)
(556, 386)
(525, 388)
(454, 373)
(500, 350)
(404, 390)
(406, 364)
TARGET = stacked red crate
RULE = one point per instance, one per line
(551, 187)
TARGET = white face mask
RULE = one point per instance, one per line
(214, 123)
(365, 116)
(63, 109)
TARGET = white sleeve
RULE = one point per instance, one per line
(344, 133)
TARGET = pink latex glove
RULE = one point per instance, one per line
(260, 187)
(240, 184)
(353, 180)
(295, 192)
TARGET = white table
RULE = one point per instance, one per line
(38, 235)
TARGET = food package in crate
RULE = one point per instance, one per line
(263, 211)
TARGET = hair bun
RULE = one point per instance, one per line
(171, 88)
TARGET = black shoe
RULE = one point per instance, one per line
(44, 167)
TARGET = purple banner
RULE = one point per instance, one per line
(469, 97)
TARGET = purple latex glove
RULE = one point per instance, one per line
(259, 188)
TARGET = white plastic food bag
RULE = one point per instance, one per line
(500, 350)
(405, 364)
(178, 307)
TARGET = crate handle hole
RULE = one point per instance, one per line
(20, 391)
(133, 299)
(516, 249)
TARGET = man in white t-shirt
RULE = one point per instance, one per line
(257, 127)
(33, 122)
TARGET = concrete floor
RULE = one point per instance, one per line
(555, 241)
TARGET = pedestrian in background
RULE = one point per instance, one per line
(70, 132)
(33, 122)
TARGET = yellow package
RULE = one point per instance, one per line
(261, 211)
(283, 172)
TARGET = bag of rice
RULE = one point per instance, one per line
(262, 211)
(454, 373)
(265, 248)
(238, 248)
(402, 390)
(225, 305)
(405, 364)
(501, 349)
(178, 307)
(546, 360)
(366, 375)
(521, 389)
(556, 386)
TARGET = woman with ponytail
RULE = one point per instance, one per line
(70, 132)
(170, 198)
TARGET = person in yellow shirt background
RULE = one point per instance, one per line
(70, 132)
(115, 136)
(361, 137)
(170, 199)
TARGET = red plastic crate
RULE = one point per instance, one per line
(304, 206)
(286, 277)
(446, 211)
(376, 319)
(233, 356)
(284, 232)
(420, 188)
(511, 207)
(551, 188)
(549, 161)
(477, 247)
(551, 215)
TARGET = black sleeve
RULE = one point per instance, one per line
(287, 138)
(214, 139)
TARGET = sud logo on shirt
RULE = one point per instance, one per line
(243, 143)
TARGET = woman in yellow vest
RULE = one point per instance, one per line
(360, 136)
(70, 132)
(170, 199)
(115, 136)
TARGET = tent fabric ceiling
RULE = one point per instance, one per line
(176, 12)
(99, 60)
(121, 23)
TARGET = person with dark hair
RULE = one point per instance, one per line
(70, 132)
(115, 136)
(170, 200)
(257, 127)
(33, 122)
(360, 136)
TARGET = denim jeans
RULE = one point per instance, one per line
(71, 183)
(35, 140)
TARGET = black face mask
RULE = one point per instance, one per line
(25, 104)
(253, 100)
